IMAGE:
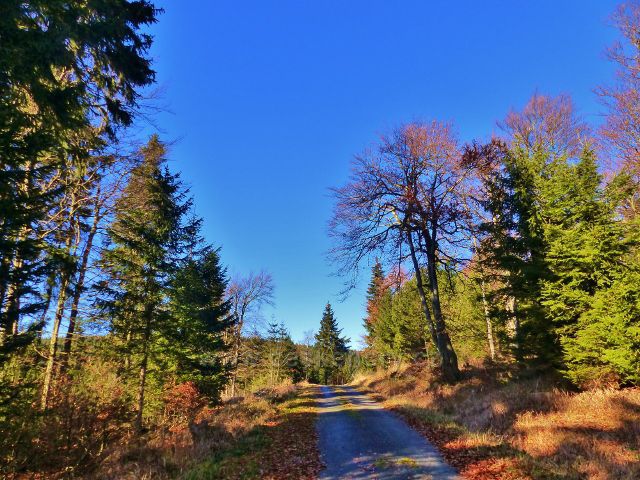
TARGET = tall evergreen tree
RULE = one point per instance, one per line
(588, 294)
(67, 69)
(331, 347)
(584, 244)
(199, 316)
(150, 234)
(373, 294)
(514, 250)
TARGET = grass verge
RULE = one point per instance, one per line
(283, 445)
(491, 426)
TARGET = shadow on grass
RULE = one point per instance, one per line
(480, 459)
(282, 448)
(483, 425)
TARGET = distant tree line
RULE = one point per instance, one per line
(271, 357)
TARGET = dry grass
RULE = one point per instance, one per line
(251, 428)
(492, 427)
(282, 447)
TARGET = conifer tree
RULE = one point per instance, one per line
(199, 316)
(605, 345)
(513, 250)
(588, 293)
(331, 346)
(150, 234)
(377, 276)
(373, 293)
(66, 67)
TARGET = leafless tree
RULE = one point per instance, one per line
(406, 200)
(247, 296)
(621, 130)
(548, 124)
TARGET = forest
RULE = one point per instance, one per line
(127, 350)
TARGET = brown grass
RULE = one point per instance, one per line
(492, 427)
(252, 437)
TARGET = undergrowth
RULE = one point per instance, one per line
(492, 425)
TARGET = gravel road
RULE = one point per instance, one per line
(359, 439)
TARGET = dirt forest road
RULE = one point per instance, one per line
(359, 439)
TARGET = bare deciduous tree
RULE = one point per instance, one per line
(548, 124)
(408, 193)
(621, 131)
(246, 295)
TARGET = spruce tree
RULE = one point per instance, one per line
(584, 242)
(199, 316)
(373, 294)
(66, 68)
(377, 276)
(149, 235)
(605, 344)
(513, 250)
(331, 347)
(589, 293)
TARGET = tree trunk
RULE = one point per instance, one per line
(143, 373)
(421, 292)
(141, 388)
(79, 287)
(12, 311)
(485, 304)
(450, 369)
(10, 320)
(53, 343)
(236, 356)
(127, 356)
(5, 267)
(513, 325)
(487, 318)
(449, 360)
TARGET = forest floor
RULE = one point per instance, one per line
(490, 426)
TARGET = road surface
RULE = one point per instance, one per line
(359, 439)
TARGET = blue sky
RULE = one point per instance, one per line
(268, 101)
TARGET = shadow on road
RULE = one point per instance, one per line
(359, 439)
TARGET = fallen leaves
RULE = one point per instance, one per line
(282, 447)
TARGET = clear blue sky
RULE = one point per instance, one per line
(269, 100)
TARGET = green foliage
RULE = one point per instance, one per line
(331, 348)
(272, 358)
(400, 331)
(605, 345)
(461, 303)
(280, 357)
(375, 289)
(556, 247)
(199, 316)
(70, 74)
(150, 237)
(514, 251)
